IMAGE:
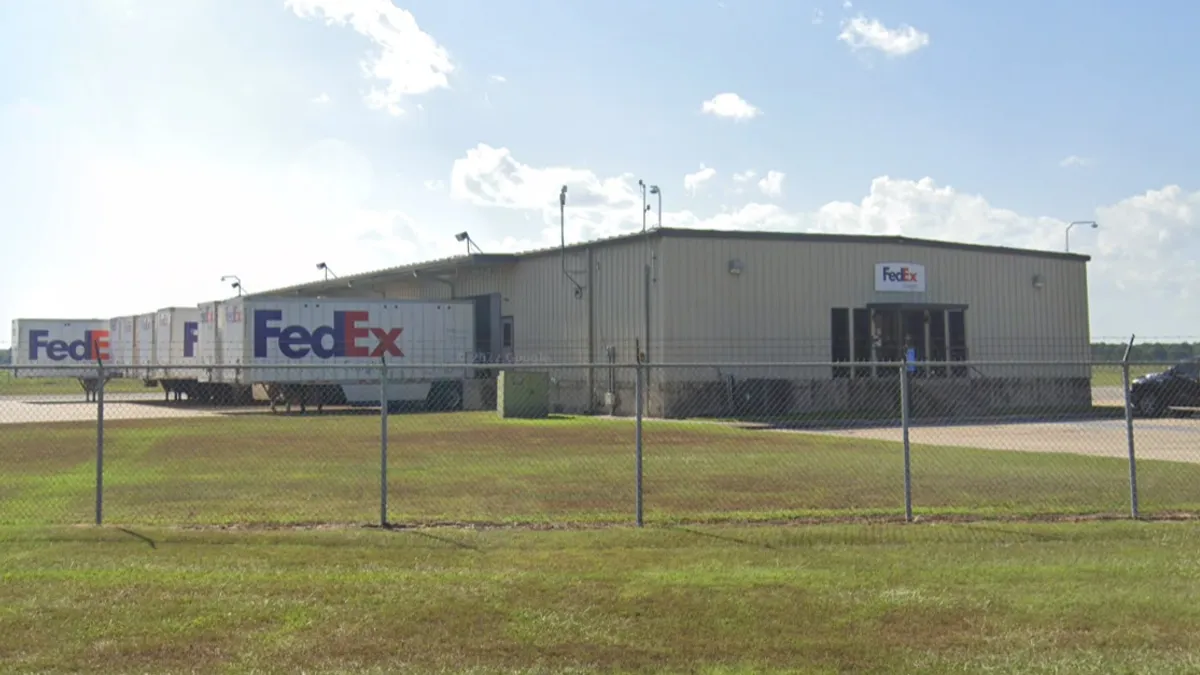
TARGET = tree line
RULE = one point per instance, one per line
(1150, 351)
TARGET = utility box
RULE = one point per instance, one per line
(523, 394)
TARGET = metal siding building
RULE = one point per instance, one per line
(795, 298)
(778, 307)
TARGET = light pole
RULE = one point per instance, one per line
(1073, 223)
(237, 282)
(562, 217)
(645, 207)
(655, 190)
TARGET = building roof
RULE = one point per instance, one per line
(433, 268)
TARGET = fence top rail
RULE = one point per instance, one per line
(67, 370)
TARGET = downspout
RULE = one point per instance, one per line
(591, 332)
(562, 230)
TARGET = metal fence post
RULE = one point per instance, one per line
(100, 443)
(904, 424)
(638, 377)
(1133, 486)
(383, 443)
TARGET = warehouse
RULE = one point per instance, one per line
(728, 298)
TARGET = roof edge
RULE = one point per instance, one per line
(488, 259)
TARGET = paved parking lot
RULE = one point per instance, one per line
(1114, 396)
(72, 408)
(1175, 440)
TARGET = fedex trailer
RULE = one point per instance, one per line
(330, 350)
(144, 347)
(179, 354)
(122, 336)
(40, 344)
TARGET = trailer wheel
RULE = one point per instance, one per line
(445, 396)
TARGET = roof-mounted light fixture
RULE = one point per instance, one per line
(463, 236)
(325, 268)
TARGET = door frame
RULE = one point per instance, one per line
(900, 307)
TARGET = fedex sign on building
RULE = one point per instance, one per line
(896, 277)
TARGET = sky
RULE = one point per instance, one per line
(148, 148)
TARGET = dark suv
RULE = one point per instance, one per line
(1176, 387)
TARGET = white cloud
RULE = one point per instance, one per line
(731, 106)
(818, 17)
(847, 4)
(1141, 252)
(744, 176)
(772, 184)
(435, 185)
(409, 62)
(863, 33)
(321, 98)
(599, 207)
(498, 78)
(693, 181)
(1075, 160)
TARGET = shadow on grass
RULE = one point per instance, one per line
(139, 536)
(425, 533)
(818, 422)
(726, 538)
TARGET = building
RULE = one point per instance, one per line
(721, 300)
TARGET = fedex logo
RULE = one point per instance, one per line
(900, 274)
(900, 277)
(190, 338)
(93, 346)
(340, 340)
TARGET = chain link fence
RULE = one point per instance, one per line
(556, 445)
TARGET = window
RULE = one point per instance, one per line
(956, 321)
(862, 341)
(1188, 369)
(506, 332)
(839, 334)
(928, 332)
(937, 342)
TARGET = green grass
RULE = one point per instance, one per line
(1063, 598)
(50, 386)
(475, 468)
(1108, 376)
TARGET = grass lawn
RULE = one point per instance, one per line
(1111, 376)
(1061, 598)
(1108, 376)
(50, 386)
(475, 468)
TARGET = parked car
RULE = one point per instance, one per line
(1176, 387)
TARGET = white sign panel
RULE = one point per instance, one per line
(898, 277)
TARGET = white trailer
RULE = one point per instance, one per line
(179, 349)
(40, 344)
(122, 334)
(347, 337)
(144, 349)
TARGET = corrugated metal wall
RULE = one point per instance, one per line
(778, 307)
(550, 322)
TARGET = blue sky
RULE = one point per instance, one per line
(151, 147)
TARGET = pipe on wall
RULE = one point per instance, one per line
(591, 331)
